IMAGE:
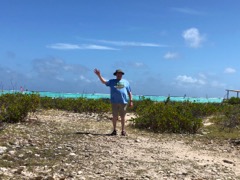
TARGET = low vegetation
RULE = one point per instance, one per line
(170, 117)
(69, 140)
(15, 107)
(78, 105)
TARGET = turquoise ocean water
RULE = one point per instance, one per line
(107, 96)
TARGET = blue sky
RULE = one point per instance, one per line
(165, 47)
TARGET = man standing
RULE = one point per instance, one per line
(119, 91)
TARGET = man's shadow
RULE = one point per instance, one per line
(89, 133)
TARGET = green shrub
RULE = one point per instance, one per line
(15, 107)
(233, 100)
(172, 117)
(140, 104)
(78, 105)
(230, 117)
(176, 117)
(203, 109)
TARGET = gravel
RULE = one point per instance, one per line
(62, 145)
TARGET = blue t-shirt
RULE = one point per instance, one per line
(119, 90)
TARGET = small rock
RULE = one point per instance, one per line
(235, 142)
(3, 149)
(204, 133)
(19, 170)
(20, 155)
(11, 152)
(3, 169)
(72, 154)
(137, 141)
(184, 173)
(81, 178)
(79, 172)
(228, 161)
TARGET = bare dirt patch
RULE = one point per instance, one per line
(63, 145)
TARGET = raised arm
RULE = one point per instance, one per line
(98, 73)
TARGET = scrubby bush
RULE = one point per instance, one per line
(204, 109)
(15, 107)
(229, 118)
(233, 100)
(171, 117)
(139, 105)
(78, 105)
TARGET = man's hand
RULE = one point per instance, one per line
(97, 72)
(131, 104)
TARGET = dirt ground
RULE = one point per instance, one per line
(63, 145)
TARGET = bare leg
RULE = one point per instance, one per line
(123, 114)
(114, 121)
(123, 122)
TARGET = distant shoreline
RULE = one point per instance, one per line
(107, 96)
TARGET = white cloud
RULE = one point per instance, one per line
(98, 47)
(201, 82)
(54, 67)
(203, 76)
(138, 64)
(60, 79)
(63, 46)
(68, 67)
(229, 70)
(193, 37)
(188, 11)
(183, 79)
(66, 46)
(83, 78)
(129, 43)
(170, 55)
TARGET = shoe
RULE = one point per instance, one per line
(123, 133)
(114, 133)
